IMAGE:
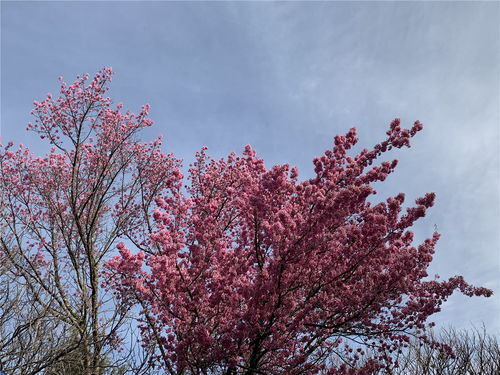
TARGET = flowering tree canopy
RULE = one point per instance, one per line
(252, 271)
(62, 213)
(237, 269)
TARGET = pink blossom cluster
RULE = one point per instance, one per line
(62, 213)
(253, 270)
(236, 268)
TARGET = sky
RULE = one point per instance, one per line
(286, 77)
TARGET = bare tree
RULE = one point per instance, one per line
(449, 352)
(472, 352)
(28, 335)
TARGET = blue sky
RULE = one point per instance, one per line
(286, 78)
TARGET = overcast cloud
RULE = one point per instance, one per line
(287, 77)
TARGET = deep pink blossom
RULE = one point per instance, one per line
(236, 268)
(254, 272)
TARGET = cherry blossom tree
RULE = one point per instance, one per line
(236, 269)
(62, 213)
(251, 271)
